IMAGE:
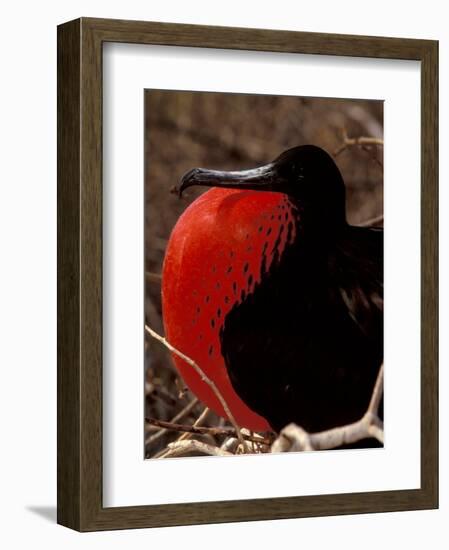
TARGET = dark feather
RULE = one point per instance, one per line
(357, 269)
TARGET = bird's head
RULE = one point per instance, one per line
(307, 174)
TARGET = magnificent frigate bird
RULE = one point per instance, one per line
(275, 296)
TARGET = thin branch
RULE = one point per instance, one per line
(372, 221)
(262, 442)
(202, 417)
(205, 430)
(373, 407)
(183, 448)
(373, 155)
(203, 376)
(151, 277)
(266, 439)
(159, 454)
(361, 141)
(197, 422)
(185, 411)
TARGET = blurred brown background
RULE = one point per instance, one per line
(184, 130)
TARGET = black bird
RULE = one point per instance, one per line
(304, 343)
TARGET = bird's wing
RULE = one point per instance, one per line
(357, 271)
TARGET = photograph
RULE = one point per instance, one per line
(263, 273)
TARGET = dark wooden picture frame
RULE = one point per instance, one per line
(80, 503)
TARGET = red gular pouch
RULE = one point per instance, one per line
(216, 256)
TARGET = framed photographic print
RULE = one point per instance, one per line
(235, 207)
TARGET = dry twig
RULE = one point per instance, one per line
(372, 221)
(183, 448)
(153, 277)
(197, 422)
(204, 377)
(206, 430)
(361, 141)
(184, 412)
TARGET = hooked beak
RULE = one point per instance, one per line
(258, 179)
